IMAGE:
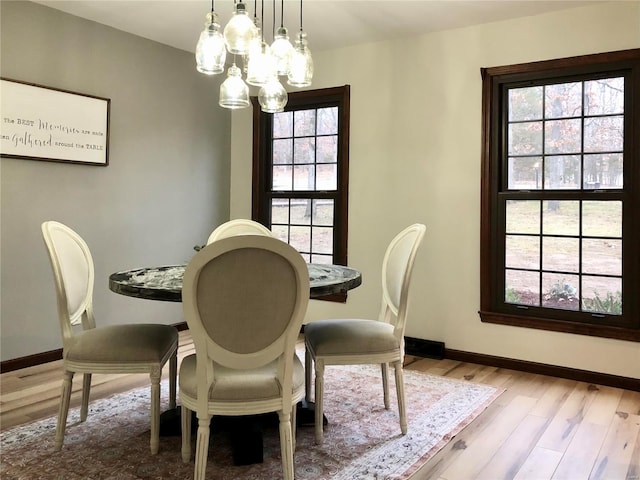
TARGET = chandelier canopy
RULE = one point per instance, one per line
(263, 64)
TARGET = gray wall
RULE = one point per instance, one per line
(166, 186)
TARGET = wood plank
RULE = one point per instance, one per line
(480, 451)
(567, 420)
(615, 457)
(539, 465)
(604, 405)
(582, 452)
(510, 457)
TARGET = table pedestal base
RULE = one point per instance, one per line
(245, 432)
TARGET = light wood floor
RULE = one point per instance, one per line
(539, 428)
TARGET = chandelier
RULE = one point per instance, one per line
(263, 64)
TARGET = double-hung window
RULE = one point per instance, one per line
(560, 243)
(301, 170)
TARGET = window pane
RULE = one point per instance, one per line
(304, 150)
(525, 138)
(282, 152)
(563, 100)
(281, 232)
(282, 124)
(304, 123)
(602, 256)
(560, 254)
(603, 171)
(304, 177)
(327, 149)
(560, 291)
(321, 259)
(522, 287)
(300, 238)
(282, 179)
(525, 104)
(300, 211)
(563, 136)
(279, 211)
(523, 216)
(561, 217)
(522, 252)
(323, 212)
(525, 173)
(322, 240)
(562, 171)
(602, 295)
(604, 96)
(327, 121)
(602, 219)
(604, 134)
(327, 177)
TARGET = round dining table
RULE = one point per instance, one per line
(165, 283)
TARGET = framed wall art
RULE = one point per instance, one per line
(43, 123)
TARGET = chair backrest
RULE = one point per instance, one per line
(73, 275)
(244, 300)
(397, 268)
(240, 226)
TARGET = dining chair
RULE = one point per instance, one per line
(366, 341)
(113, 349)
(244, 299)
(240, 226)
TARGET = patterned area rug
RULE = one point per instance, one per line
(361, 441)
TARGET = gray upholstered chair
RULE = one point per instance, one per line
(363, 341)
(240, 226)
(244, 299)
(114, 349)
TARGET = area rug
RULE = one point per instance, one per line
(361, 441)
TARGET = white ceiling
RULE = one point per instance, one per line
(329, 23)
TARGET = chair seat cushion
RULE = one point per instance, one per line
(350, 337)
(137, 343)
(239, 385)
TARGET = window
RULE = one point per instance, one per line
(301, 170)
(560, 241)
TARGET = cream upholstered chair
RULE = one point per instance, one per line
(240, 226)
(244, 299)
(359, 341)
(87, 349)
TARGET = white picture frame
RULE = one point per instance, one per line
(44, 123)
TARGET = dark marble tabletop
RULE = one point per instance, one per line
(165, 283)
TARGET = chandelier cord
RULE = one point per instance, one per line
(273, 24)
(281, 12)
(300, 15)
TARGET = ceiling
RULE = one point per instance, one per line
(329, 23)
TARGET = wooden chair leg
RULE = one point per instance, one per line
(400, 392)
(307, 375)
(286, 447)
(202, 448)
(173, 370)
(318, 398)
(185, 422)
(385, 383)
(65, 397)
(155, 411)
(86, 390)
(294, 425)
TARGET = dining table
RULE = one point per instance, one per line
(164, 283)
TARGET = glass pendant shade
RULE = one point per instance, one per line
(239, 31)
(234, 93)
(211, 51)
(272, 96)
(301, 65)
(261, 66)
(281, 50)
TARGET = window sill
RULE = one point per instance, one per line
(628, 334)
